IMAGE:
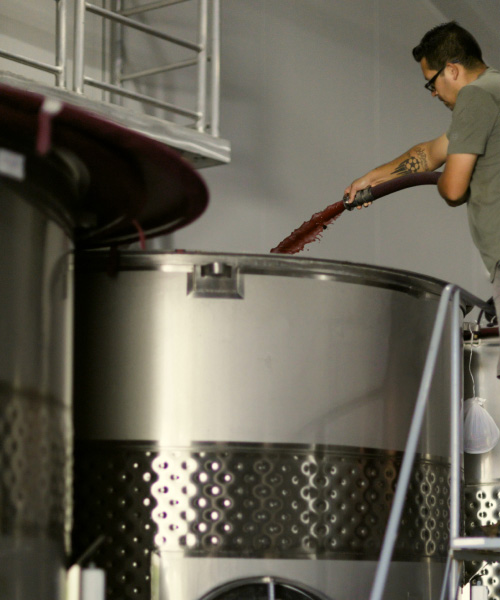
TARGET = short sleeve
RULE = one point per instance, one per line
(473, 118)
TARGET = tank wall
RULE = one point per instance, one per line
(265, 425)
(341, 579)
(35, 399)
(331, 356)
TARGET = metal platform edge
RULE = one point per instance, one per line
(199, 149)
(476, 548)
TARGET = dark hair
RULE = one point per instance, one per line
(448, 42)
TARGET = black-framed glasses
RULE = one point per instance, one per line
(430, 85)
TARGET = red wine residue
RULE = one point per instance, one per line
(311, 230)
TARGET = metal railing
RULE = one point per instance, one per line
(451, 294)
(203, 115)
(206, 96)
(58, 69)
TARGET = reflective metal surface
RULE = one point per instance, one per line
(113, 185)
(482, 471)
(278, 393)
(201, 150)
(35, 367)
(256, 501)
(262, 588)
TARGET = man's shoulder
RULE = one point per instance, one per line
(486, 84)
(481, 93)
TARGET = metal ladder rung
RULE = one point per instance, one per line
(472, 548)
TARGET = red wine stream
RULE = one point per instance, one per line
(312, 230)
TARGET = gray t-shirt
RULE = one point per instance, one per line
(475, 129)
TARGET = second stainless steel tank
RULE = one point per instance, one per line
(482, 471)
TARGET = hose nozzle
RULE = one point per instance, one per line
(360, 198)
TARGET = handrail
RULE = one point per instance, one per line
(118, 18)
(148, 7)
(156, 70)
(207, 64)
(455, 439)
(200, 106)
(451, 292)
(215, 70)
(59, 68)
(141, 97)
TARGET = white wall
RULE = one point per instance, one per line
(315, 93)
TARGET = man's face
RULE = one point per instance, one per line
(444, 85)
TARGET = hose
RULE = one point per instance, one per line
(370, 194)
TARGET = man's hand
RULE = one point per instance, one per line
(357, 185)
(426, 156)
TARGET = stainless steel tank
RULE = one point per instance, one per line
(482, 471)
(36, 300)
(66, 177)
(240, 422)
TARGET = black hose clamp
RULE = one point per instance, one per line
(361, 197)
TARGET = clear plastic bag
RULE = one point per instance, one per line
(481, 433)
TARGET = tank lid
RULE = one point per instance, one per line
(409, 282)
(126, 184)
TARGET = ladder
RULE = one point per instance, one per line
(460, 548)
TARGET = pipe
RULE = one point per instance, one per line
(202, 64)
(61, 43)
(78, 47)
(456, 437)
(215, 69)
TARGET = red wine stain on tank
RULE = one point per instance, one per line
(310, 231)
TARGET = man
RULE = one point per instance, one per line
(452, 63)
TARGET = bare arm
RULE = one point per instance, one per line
(426, 156)
(453, 185)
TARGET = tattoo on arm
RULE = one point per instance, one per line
(413, 164)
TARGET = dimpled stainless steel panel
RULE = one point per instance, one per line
(34, 459)
(482, 508)
(482, 471)
(250, 501)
